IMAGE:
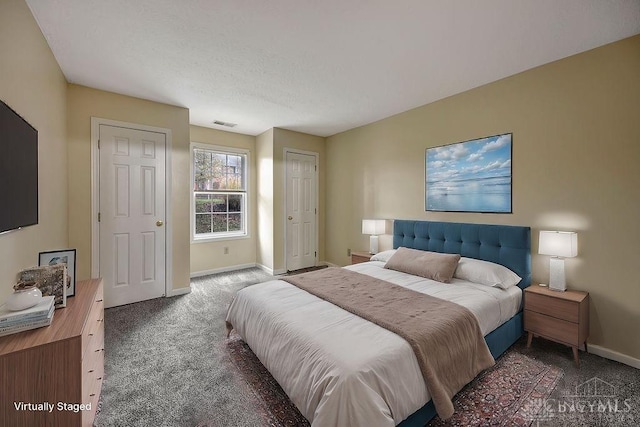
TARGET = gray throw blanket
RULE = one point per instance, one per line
(444, 336)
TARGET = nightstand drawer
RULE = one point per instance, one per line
(355, 259)
(554, 307)
(553, 328)
(358, 257)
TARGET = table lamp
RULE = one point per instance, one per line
(373, 227)
(560, 245)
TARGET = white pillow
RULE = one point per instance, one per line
(383, 256)
(486, 273)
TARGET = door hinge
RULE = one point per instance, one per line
(316, 211)
(316, 254)
(315, 167)
(98, 144)
(98, 216)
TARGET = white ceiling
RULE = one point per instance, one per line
(319, 67)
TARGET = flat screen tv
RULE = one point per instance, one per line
(18, 171)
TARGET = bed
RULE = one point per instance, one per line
(340, 369)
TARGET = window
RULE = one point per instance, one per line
(219, 192)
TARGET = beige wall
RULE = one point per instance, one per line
(207, 256)
(576, 150)
(264, 168)
(32, 84)
(84, 103)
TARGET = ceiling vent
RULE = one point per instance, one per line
(227, 124)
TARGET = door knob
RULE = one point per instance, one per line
(290, 218)
(159, 223)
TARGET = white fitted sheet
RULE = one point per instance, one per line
(338, 368)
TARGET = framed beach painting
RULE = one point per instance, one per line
(470, 176)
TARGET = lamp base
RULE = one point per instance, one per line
(373, 245)
(557, 280)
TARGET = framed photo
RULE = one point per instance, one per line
(470, 176)
(63, 256)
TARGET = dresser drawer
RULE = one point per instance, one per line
(552, 328)
(92, 374)
(93, 328)
(88, 416)
(555, 307)
(93, 357)
(94, 343)
(95, 320)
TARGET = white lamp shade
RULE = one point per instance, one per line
(558, 243)
(374, 226)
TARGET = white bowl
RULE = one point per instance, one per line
(24, 298)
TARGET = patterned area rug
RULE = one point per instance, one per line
(511, 393)
(275, 407)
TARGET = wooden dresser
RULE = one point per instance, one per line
(61, 364)
(559, 316)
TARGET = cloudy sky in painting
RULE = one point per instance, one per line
(472, 160)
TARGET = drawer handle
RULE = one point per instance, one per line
(98, 300)
(92, 394)
(91, 370)
(90, 335)
(99, 378)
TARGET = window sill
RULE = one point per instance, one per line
(211, 239)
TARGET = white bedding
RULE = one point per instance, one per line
(338, 368)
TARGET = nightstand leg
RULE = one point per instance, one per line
(575, 356)
(529, 338)
(586, 350)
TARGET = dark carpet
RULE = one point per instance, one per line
(167, 363)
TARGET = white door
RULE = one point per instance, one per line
(132, 208)
(301, 210)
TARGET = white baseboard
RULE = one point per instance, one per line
(179, 291)
(271, 271)
(222, 270)
(265, 268)
(614, 355)
(330, 264)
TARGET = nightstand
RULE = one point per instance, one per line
(358, 257)
(558, 316)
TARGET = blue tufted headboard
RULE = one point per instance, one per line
(507, 245)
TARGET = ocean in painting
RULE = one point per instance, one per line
(483, 195)
(471, 176)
